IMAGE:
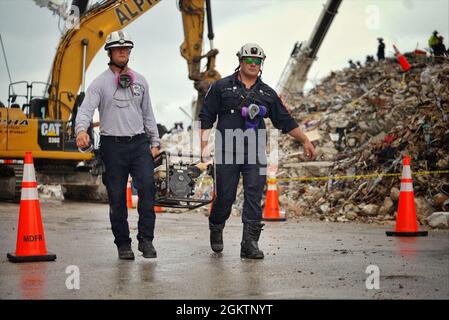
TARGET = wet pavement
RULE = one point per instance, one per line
(304, 260)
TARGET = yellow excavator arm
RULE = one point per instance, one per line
(192, 47)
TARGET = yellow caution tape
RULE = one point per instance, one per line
(207, 180)
(358, 177)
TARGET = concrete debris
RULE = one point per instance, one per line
(423, 207)
(439, 220)
(50, 192)
(387, 206)
(394, 194)
(370, 210)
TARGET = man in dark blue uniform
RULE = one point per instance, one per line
(381, 49)
(241, 101)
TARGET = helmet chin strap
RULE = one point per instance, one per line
(111, 62)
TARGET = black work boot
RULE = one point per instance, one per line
(147, 249)
(125, 252)
(249, 248)
(216, 236)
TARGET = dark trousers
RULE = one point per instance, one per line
(227, 180)
(121, 158)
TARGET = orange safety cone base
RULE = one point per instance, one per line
(45, 257)
(407, 234)
(273, 214)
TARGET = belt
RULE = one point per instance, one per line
(123, 138)
(229, 111)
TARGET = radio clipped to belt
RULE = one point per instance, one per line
(253, 114)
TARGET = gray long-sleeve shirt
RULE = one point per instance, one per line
(123, 111)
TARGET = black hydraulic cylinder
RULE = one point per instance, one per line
(210, 30)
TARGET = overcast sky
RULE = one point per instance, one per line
(31, 36)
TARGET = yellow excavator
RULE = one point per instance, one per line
(44, 125)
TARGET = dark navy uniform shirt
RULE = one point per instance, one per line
(224, 101)
(226, 94)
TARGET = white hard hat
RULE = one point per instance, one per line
(118, 39)
(251, 50)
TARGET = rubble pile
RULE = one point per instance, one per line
(362, 122)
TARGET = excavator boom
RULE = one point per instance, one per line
(192, 47)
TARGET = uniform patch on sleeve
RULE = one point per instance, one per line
(283, 103)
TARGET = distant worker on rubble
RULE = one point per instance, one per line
(352, 65)
(381, 49)
(369, 59)
(129, 141)
(439, 49)
(433, 41)
(241, 101)
(178, 127)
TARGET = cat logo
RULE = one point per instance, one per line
(51, 135)
(50, 129)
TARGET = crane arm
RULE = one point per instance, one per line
(295, 74)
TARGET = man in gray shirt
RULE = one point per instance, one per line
(129, 141)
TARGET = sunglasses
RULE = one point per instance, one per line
(257, 61)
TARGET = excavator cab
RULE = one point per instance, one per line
(33, 107)
(17, 95)
(38, 108)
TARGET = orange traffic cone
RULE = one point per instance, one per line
(210, 206)
(158, 209)
(271, 210)
(405, 65)
(30, 244)
(129, 195)
(406, 223)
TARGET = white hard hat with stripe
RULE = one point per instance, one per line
(251, 50)
(118, 39)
